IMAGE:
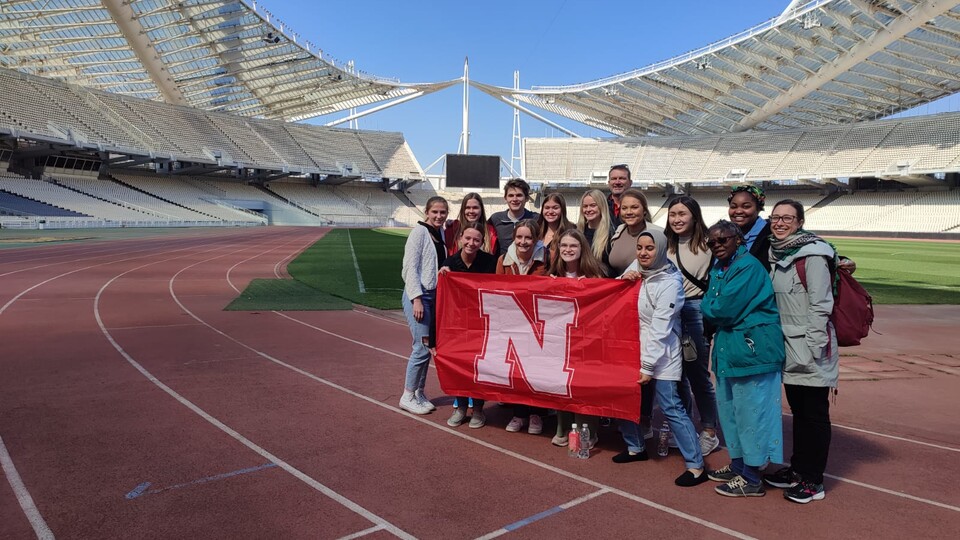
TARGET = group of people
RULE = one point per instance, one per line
(728, 297)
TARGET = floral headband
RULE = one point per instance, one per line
(754, 191)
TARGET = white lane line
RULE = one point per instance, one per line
(356, 266)
(153, 326)
(894, 493)
(894, 437)
(542, 515)
(329, 333)
(27, 290)
(521, 457)
(40, 527)
(296, 473)
(360, 534)
(74, 261)
(275, 267)
(382, 318)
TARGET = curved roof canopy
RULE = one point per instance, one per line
(820, 62)
(222, 55)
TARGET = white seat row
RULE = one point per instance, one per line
(918, 145)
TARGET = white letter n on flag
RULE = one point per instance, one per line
(539, 346)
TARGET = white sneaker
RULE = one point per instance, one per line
(647, 429)
(424, 400)
(708, 443)
(536, 425)
(515, 425)
(457, 418)
(409, 403)
(478, 420)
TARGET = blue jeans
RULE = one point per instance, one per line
(419, 361)
(697, 373)
(668, 398)
(680, 425)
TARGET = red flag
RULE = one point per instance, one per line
(558, 343)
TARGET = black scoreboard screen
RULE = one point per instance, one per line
(466, 171)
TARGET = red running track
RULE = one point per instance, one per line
(131, 405)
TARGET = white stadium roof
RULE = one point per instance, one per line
(820, 62)
(218, 55)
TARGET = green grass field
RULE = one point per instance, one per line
(328, 266)
(893, 271)
(905, 271)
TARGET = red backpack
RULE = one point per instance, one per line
(852, 314)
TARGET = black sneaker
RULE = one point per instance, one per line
(739, 487)
(724, 475)
(785, 478)
(805, 492)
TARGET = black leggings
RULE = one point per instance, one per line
(810, 406)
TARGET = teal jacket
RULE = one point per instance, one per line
(741, 304)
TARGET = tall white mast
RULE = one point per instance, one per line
(464, 147)
(516, 144)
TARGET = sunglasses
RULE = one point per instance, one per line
(719, 241)
(621, 166)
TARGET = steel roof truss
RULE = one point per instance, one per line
(692, 99)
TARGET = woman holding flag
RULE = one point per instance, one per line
(659, 304)
(574, 259)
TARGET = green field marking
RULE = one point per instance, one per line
(328, 265)
(904, 271)
(285, 295)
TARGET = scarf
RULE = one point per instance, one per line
(660, 262)
(781, 249)
(438, 243)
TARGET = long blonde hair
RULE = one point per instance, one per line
(589, 265)
(601, 236)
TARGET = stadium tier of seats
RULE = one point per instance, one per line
(884, 148)
(53, 111)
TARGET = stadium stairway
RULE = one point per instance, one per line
(826, 200)
(135, 188)
(288, 202)
(146, 212)
(406, 200)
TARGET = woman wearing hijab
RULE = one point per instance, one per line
(659, 304)
(422, 255)
(812, 366)
(747, 359)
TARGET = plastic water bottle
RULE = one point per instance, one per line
(584, 442)
(573, 442)
(663, 445)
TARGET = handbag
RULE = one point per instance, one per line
(688, 347)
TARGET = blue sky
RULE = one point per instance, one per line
(549, 42)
